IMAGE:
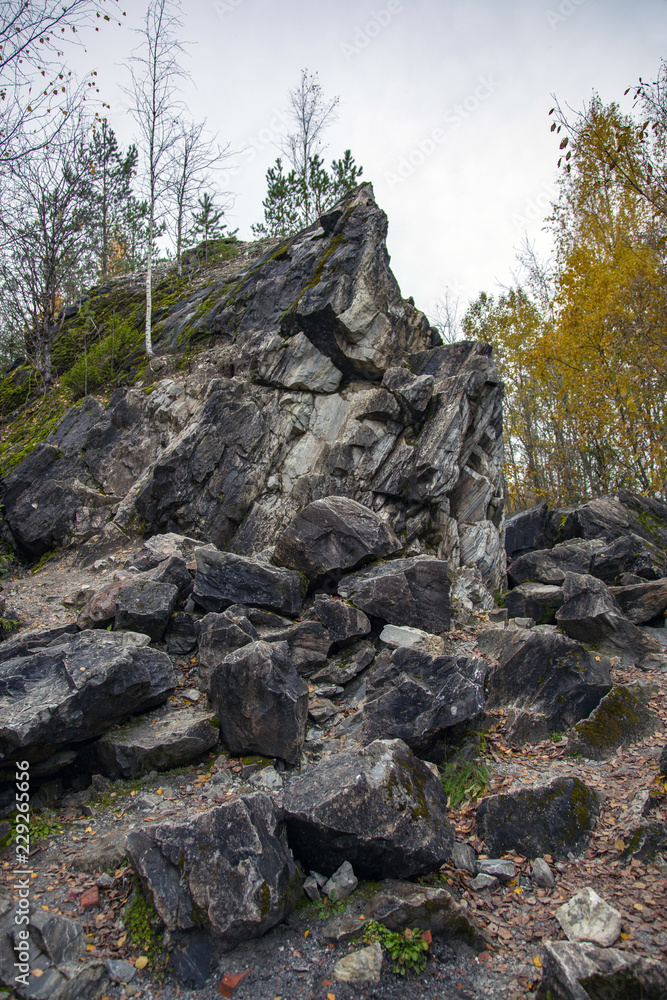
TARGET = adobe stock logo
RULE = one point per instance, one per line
(223, 7)
(364, 34)
(453, 118)
(564, 10)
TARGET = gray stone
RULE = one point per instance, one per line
(120, 971)
(464, 857)
(226, 872)
(380, 808)
(538, 601)
(412, 591)
(549, 566)
(362, 966)
(586, 917)
(526, 727)
(156, 743)
(416, 697)
(181, 635)
(554, 818)
(342, 883)
(581, 971)
(223, 578)
(541, 671)
(309, 644)
(346, 666)
(146, 607)
(503, 870)
(621, 719)
(340, 619)
(642, 602)
(591, 615)
(334, 535)
(58, 937)
(629, 553)
(542, 875)
(218, 635)
(296, 363)
(402, 635)
(75, 690)
(482, 881)
(414, 392)
(311, 888)
(399, 905)
(261, 701)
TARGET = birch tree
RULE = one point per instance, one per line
(155, 73)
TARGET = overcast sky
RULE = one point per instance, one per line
(445, 104)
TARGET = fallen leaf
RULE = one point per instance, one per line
(141, 962)
(37, 973)
(230, 981)
(536, 962)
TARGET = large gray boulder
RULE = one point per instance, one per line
(590, 614)
(261, 701)
(226, 873)
(541, 671)
(380, 808)
(223, 578)
(549, 566)
(413, 591)
(334, 535)
(218, 635)
(554, 818)
(416, 697)
(342, 621)
(308, 642)
(155, 743)
(74, 690)
(539, 601)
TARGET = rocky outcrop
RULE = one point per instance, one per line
(319, 381)
(411, 591)
(157, 743)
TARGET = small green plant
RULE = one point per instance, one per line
(461, 781)
(41, 826)
(407, 949)
(144, 928)
(556, 737)
(326, 907)
(106, 361)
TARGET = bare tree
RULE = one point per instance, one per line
(311, 115)
(37, 91)
(48, 256)
(155, 73)
(194, 156)
(447, 317)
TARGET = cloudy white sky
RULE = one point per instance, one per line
(478, 74)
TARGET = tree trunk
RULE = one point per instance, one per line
(148, 339)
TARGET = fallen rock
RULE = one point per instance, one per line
(482, 882)
(645, 842)
(539, 601)
(342, 882)
(223, 578)
(642, 602)
(498, 868)
(555, 818)
(75, 690)
(341, 669)
(582, 971)
(541, 874)
(412, 591)
(525, 727)
(343, 622)
(621, 719)
(586, 917)
(628, 554)
(402, 635)
(164, 546)
(362, 966)
(226, 872)
(526, 531)
(309, 644)
(155, 743)
(401, 904)
(591, 615)
(146, 607)
(334, 535)
(549, 566)
(464, 857)
(261, 701)
(218, 635)
(181, 635)
(541, 671)
(380, 808)
(416, 697)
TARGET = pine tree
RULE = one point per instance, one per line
(206, 222)
(107, 191)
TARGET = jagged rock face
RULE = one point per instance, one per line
(320, 381)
